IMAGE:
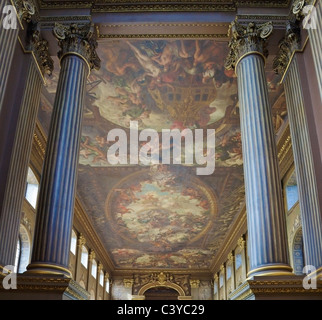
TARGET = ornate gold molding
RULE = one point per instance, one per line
(91, 255)
(25, 9)
(250, 39)
(81, 240)
(241, 243)
(289, 44)
(163, 36)
(40, 48)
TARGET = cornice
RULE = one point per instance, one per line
(165, 6)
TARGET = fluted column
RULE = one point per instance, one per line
(264, 202)
(18, 169)
(315, 35)
(9, 29)
(57, 188)
(287, 64)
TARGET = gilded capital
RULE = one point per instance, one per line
(241, 243)
(91, 255)
(246, 40)
(99, 267)
(287, 46)
(216, 278)
(194, 283)
(128, 283)
(78, 40)
(40, 49)
(25, 9)
(81, 240)
(230, 257)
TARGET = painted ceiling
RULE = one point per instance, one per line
(161, 216)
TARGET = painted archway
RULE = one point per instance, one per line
(166, 285)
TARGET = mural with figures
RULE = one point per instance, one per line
(160, 211)
(161, 216)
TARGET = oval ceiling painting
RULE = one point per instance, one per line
(160, 210)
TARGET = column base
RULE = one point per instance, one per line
(136, 297)
(184, 298)
(276, 288)
(41, 287)
(47, 268)
(271, 270)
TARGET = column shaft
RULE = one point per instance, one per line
(315, 36)
(57, 188)
(265, 213)
(8, 40)
(17, 175)
(304, 166)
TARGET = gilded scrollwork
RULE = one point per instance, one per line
(247, 39)
(161, 279)
(25, 9)
(40, 48)
(79, 40)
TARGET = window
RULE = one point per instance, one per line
(73, 242)
(22, 251)
(32, 189)
(291, 191)
(107, 288)
(17, 256)
(221, 280)
(94, 268)
(238, 261)
(228, 272)
(84, 257)
(101, 278)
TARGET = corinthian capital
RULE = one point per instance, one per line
(287, 46)
(40, 49)
(247, 39)
(79, 40)
(25, 9)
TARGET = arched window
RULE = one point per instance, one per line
(101, 278)
(107, 285)
(32, 188)
(84, 257)
(23, 250)
(73, 242)
(17, 255)
(94, 268)
(291, 191)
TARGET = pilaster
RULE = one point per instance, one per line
(288, 63)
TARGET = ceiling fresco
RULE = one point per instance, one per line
(161, 216)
